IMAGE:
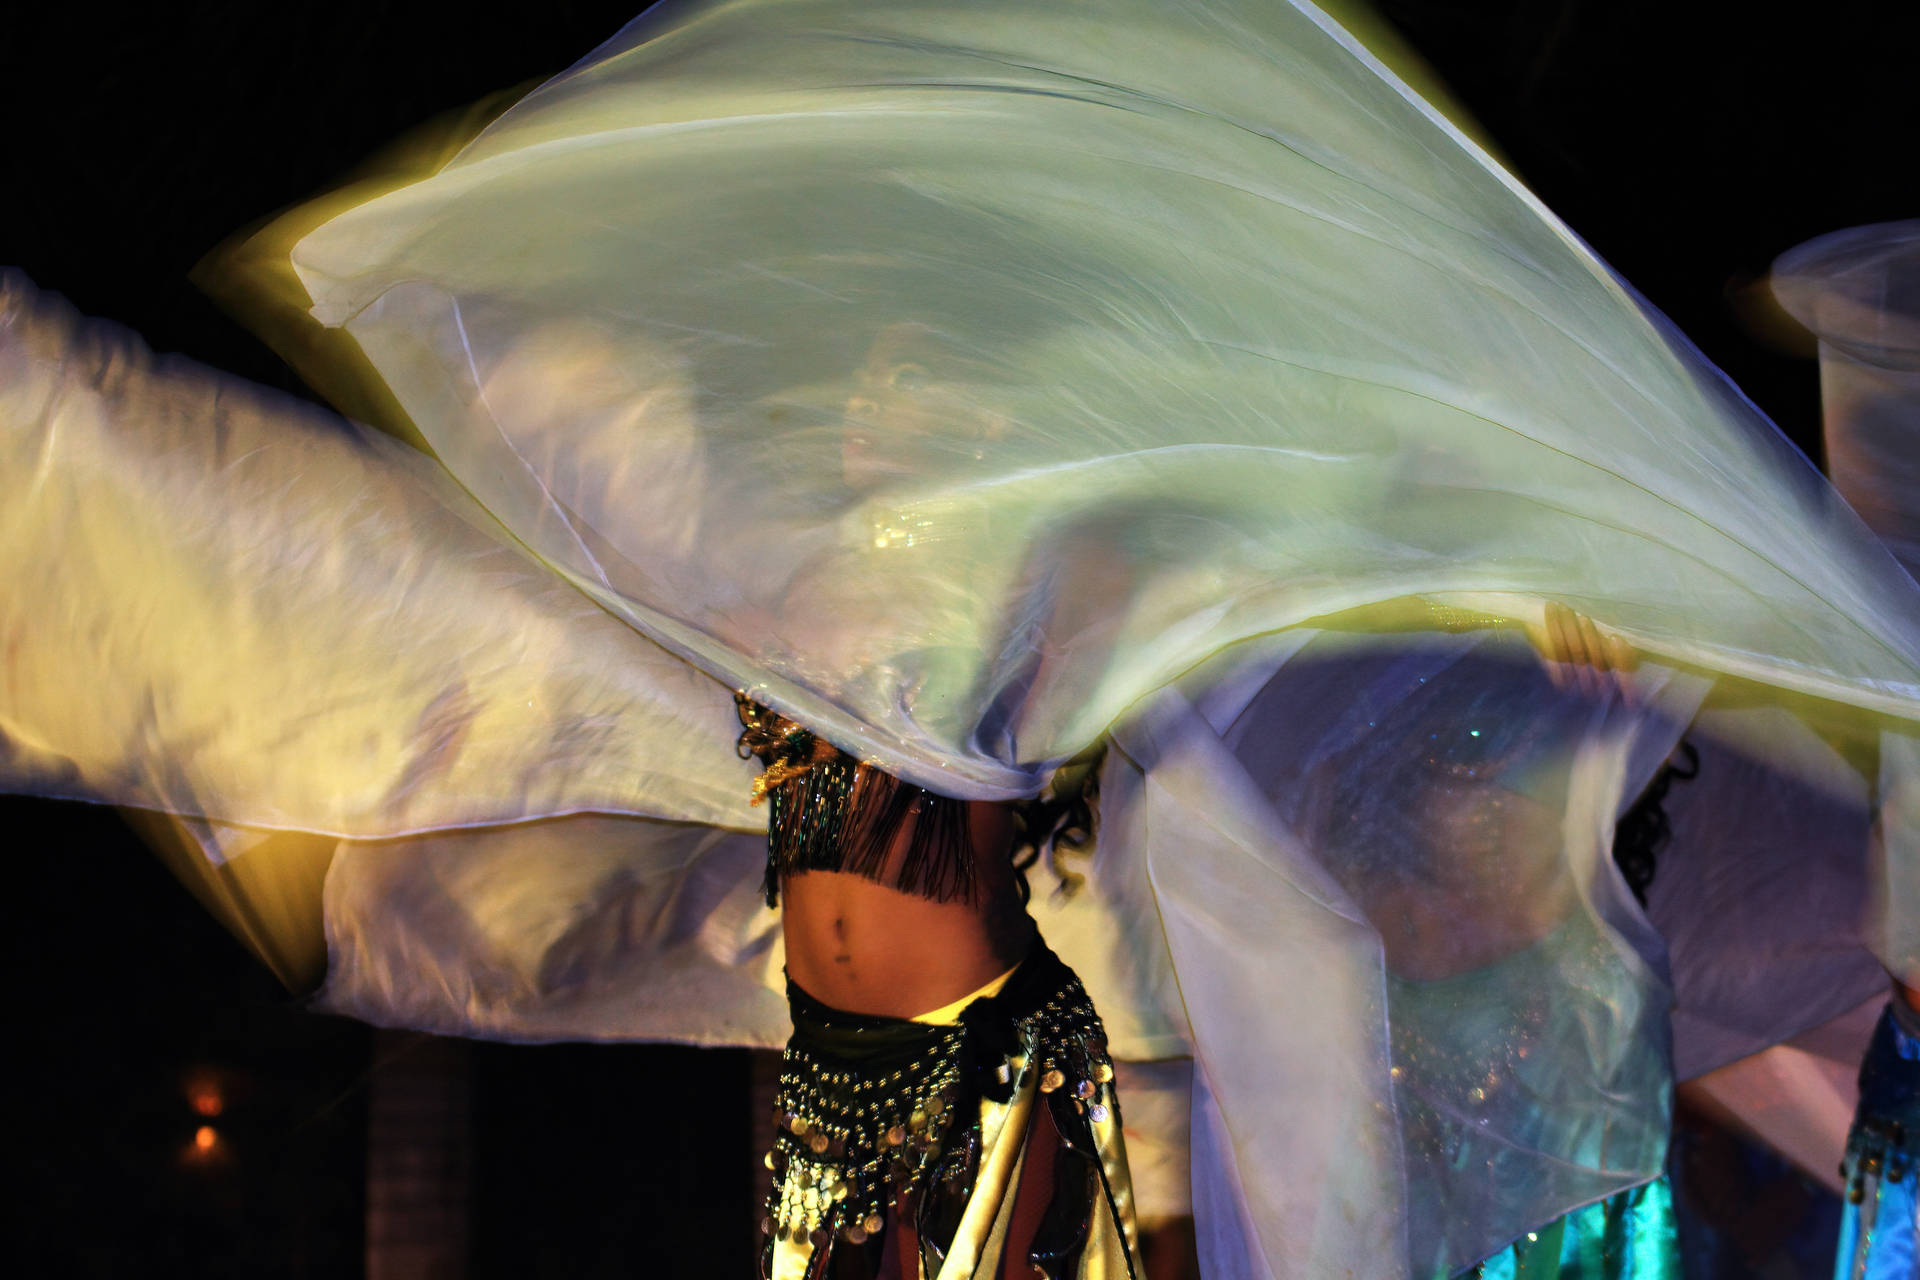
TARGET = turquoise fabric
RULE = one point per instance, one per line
(1877, 1235)
(1629, 1236)
(1878, 1225)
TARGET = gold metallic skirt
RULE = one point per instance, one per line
(978, 1140)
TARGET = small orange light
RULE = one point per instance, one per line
(204, 1137)
(205, 1087)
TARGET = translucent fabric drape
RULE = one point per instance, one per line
(970, 381)
(851, 350)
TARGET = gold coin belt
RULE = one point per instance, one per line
(849, 1143)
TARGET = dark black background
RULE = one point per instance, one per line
(1689, 143)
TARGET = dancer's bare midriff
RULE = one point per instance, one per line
(865, 947)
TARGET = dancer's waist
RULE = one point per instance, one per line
(871, 1040)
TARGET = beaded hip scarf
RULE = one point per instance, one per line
(876, 1114)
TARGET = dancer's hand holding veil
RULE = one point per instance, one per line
(1578, 654)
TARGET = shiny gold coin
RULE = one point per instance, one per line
(1052, 1080)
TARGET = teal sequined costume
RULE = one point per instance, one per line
(1629, 1236)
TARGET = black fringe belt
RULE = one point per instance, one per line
(828, 812)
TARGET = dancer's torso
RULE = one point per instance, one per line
(864, 947)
